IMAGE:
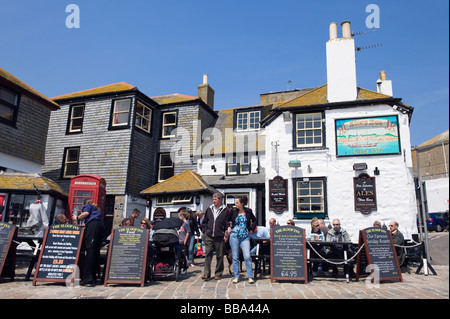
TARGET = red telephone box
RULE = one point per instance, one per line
(87, 186)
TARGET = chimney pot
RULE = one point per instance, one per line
(205, 78)
(346, 32)
(383, 75)
(333, 30)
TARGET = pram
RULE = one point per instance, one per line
(165, 250)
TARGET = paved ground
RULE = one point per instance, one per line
(191, 288)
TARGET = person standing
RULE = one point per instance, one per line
(213, 227)
(94, 234)
(243, 223)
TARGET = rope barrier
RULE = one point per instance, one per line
(333, 262)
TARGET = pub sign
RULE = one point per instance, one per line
(365, 193)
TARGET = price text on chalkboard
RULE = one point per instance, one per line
(380, 253)
(127, 257)
(59, 253)
(7, 233)
(288, 254)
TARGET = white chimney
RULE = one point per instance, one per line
(341, 65)
(384, 86)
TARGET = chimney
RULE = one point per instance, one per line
(341, 65)
(206, 93)
(384, 86)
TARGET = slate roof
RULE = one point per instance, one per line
(111, 88)
(26, 182)
(174, 98)
(15, 82)
(185, 182)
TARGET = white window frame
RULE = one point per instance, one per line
(116, 113)
(312, 194)
(72, 118)
(163, 167)
(309, 125)
(244, 121)
(170, 124)
(67, 162)
(143, 118)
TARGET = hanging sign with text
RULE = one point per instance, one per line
(278, 198)
(365, 194)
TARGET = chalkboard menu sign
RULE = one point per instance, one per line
(127, 256)
(59, 255)
(278, 200)
(380, 254)
(7, 233)
(288, 254)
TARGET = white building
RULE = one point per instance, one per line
(320, 141)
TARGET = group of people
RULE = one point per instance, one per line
(320, 232)
(216, 226)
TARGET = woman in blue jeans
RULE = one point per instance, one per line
(243, 223)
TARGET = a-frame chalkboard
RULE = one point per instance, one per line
(288, 254)
(59, 255)
(380, 255)
(127, 256)
(7, 248)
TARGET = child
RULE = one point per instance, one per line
(183, 236)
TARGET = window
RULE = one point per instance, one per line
(166, 169)
(238, 165)
(76, 115)
(120, 113)
(309, 130)
(248, 121)
(230, 199)
(143, 117)
(310, 198)
(169, 123)
(71, 161)
(174, 200)
(9, 106)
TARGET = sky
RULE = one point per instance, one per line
(246, 47)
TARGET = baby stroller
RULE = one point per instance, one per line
(164, 256)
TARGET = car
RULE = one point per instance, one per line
(437, 221)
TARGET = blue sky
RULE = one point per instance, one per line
(246, 47)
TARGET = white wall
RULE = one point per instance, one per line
(394, 186)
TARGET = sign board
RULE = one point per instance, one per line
(127, 256)
(288, 254)
(278, 195)
(380, 254)
(7, 233)
(365, 193)
(59, 255)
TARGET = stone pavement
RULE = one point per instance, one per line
(191, 287)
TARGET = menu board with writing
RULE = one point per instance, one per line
(59, 255)
(288, 254)
(7, 233)
(127, 256)
(380, 254)
(278, 199)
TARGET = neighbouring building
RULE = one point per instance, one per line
(24, 121)
(112, 132)
(431, 165)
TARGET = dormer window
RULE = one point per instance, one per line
(9, 106)
(169, 123)
(248, 121)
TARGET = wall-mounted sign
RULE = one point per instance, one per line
(159, 214)
(278, 196)
(365, 193)
(367, 136)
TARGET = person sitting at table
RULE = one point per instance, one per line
(264, 246)
(398, 239)
(317, 235)
(337, 234)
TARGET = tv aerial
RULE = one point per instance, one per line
(368, 46)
